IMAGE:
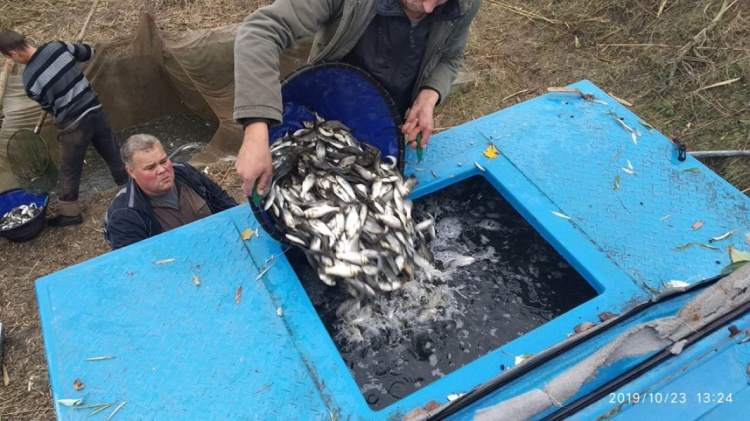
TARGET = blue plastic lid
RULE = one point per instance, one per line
(337, 91)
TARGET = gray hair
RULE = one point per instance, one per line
(137, 143)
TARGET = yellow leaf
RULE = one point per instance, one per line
(246, 234)
(196, 281)
(738, 255)
(491, 152)
(697, 225)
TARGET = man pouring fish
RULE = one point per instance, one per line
(412, 48)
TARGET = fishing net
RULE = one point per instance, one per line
(31, 162)
(149, 75)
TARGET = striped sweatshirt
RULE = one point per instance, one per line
(53, 79)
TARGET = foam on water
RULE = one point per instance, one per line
(494, 278)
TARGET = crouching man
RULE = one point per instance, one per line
(159, 196)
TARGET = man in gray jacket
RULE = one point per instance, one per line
(413, 48)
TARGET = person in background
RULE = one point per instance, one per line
(413, 48)
(52, 78)
(160, 195)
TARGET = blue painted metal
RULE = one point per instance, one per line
(193, 353)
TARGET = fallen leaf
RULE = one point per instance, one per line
(278, 312)
(583, 327)
(69, 402)
(620, 100)
(94, 405)
(665, 217)
(697, 225)
(617, 182)
(246, 234)
(116, 409)
(164, 262)
(677, 284)
(561, 215)
(619, 151)
(706, 246)
(453, 396)
(78, 384)
(606, 315)
(491, 152)
(734, 266)
(684, 246)
(693, 170)
(6, 377)
(738, 255)
(481, 168)
(196, 281)
(521, 358)
(650, 127)
(101, 408)
(723, 237)
(733, 331)
(106, 357)
(238, 295)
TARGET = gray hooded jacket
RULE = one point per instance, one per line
(337, 26)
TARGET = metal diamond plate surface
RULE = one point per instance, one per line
(192, 352)
(180, 350)
(631, 199)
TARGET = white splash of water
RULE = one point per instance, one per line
(431, 298)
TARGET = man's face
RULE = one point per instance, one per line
(152, 171)
(416, 8)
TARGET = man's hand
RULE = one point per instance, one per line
(254, 159)
(420, 117)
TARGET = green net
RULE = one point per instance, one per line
(31, 162)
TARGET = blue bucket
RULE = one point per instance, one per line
(337, 91)
(14, 198)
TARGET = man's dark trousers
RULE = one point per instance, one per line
(92, 129)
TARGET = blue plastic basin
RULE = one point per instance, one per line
(14, 198)
(337, 91)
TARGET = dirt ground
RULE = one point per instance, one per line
(684, 66)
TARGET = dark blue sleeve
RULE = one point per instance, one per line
(81, 52)
(124, 227)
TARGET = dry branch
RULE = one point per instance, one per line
(80, 36)
(528, 14)
(698, 38)
(661, 8)
(716, 85)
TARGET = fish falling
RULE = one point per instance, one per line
(19, 216)
(348, 210)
